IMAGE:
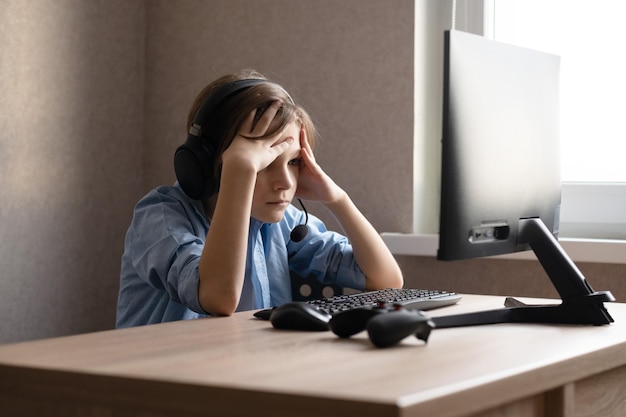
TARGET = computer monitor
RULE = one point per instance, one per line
(501, 184)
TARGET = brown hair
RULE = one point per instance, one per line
(226, 119)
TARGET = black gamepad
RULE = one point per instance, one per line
(385, 325)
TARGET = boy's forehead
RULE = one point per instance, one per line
(293, 130)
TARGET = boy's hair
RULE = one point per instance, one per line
(216, 117)
(228, 116)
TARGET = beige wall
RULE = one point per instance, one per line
(71, 126)
(94, 101)
(348, 62)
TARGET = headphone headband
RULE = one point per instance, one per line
(221, 93)
(216, 98)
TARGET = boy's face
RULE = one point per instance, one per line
(276, 185)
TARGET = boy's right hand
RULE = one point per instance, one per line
(249, 150)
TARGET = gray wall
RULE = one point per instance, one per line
(94, 101)
(350, 63)
(71, 131)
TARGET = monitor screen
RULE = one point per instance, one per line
(500, 145)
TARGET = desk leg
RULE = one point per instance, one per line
(560, 402)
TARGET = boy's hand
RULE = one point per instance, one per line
(313, 183)
(247, 150)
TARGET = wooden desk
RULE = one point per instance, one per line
(239, 366)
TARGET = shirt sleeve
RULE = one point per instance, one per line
(325, 255)
(167, 239)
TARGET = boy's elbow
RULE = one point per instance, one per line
(393, 277)
(223, 306)
(396, 280)
(400, 277)
(223, 313)
(220, 310)
(400, 282)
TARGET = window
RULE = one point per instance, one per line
(588, 37)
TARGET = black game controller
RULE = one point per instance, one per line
(385, 325)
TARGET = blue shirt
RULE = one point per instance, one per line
(159, 276)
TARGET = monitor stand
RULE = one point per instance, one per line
(579, 303)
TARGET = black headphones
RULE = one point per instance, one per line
(194, 161)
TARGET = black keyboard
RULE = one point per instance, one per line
(408, 298)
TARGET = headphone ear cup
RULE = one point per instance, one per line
(193, 164)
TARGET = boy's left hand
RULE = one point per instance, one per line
(313, 183)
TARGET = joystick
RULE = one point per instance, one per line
(385, 325)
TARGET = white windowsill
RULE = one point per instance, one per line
(579, 250)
